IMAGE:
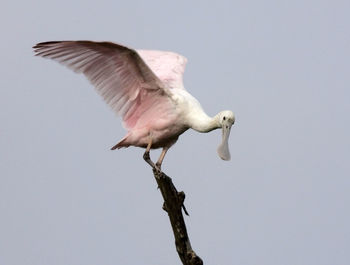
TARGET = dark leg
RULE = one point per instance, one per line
(146, 156)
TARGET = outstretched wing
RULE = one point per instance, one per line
(118, 73)
(169, 67)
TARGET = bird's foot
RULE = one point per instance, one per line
(147, 158)
(158, 166)
(157, 169)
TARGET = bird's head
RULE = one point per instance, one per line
(226, 120)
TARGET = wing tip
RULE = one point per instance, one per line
(45, 43)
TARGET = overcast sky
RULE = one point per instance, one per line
(281, 66)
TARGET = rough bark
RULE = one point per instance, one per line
(173, 205)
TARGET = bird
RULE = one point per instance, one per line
(145, 88)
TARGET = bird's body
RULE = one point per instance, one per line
(162, 122)
(145, 88)
(165, 123)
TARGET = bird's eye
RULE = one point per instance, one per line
(224, 118)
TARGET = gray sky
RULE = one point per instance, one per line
(281, 66)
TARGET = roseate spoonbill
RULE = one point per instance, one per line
(145, 88)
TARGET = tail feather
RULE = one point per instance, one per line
(121, 144)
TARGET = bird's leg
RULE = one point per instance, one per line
(146, 156)
(161, 157)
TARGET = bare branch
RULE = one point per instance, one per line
(173, 205)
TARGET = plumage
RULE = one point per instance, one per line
(144, 87)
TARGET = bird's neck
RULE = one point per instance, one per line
(201, 122)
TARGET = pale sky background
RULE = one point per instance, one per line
(283, 199)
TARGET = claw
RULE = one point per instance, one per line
(146, 156)
(157, 169)
(158, 166)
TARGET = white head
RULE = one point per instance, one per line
(226, 120)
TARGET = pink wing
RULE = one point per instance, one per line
(168, 66)
(119, 74)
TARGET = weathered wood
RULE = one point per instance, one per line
(173, 205)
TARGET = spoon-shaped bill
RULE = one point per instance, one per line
(223, 149)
